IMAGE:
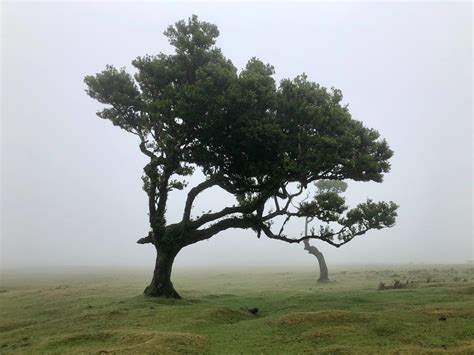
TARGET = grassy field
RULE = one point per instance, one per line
(105, 312)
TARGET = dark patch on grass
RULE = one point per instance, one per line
(132, 341)
(447, 312)
(465, 290)
(83, 339)
(328, 316)
(227, 315)
(387, 328)
(10, 325)
(211, 297)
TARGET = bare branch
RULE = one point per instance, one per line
(277, 205)
(328, 238)
(283, 211)
(209, 217)
(233, 222)
(192, 196)
(147, 239)
(247, 208)
(284, 223)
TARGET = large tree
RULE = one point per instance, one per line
(259, 141)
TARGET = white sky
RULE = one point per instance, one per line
(71, 187)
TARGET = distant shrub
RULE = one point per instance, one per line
(397, 284)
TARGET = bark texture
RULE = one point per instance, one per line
(323, 269)
(161, 285)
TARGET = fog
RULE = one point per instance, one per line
(71, 182)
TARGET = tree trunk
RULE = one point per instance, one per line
(323, 269)
(161, 285)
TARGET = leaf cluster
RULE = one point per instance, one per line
(193, 108)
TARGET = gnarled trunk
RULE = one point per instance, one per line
(161, 285)
(323, 269)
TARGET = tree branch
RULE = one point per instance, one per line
(247, 209)
(147, 239)
(192, 196)
(283, 211)
(325, 238)
(243, 209)
(209, 217)
(146, 151)
(233, 222)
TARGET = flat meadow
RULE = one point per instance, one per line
(104, 311)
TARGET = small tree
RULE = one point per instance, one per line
(260, 142)
(327, 197)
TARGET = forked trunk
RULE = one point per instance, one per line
(161, 285)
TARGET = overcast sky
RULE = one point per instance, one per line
(71, 188)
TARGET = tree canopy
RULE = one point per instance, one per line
(261, 141)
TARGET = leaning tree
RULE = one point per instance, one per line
(328, 196)
(261, 142)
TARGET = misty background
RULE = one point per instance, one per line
(71, 188)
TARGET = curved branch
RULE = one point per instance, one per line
(283, 211)
(192, 196)
(158, 160)
(243, 209)
(233, 222)
(247, 209)
(146, 151)
(325, 238)
(209, 217)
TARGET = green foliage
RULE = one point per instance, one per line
(328, 206)
(193, 107)
(331, 186)
(372, 215)
(116, 86)
(192, 36)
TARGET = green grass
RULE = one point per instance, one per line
(105, 312)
